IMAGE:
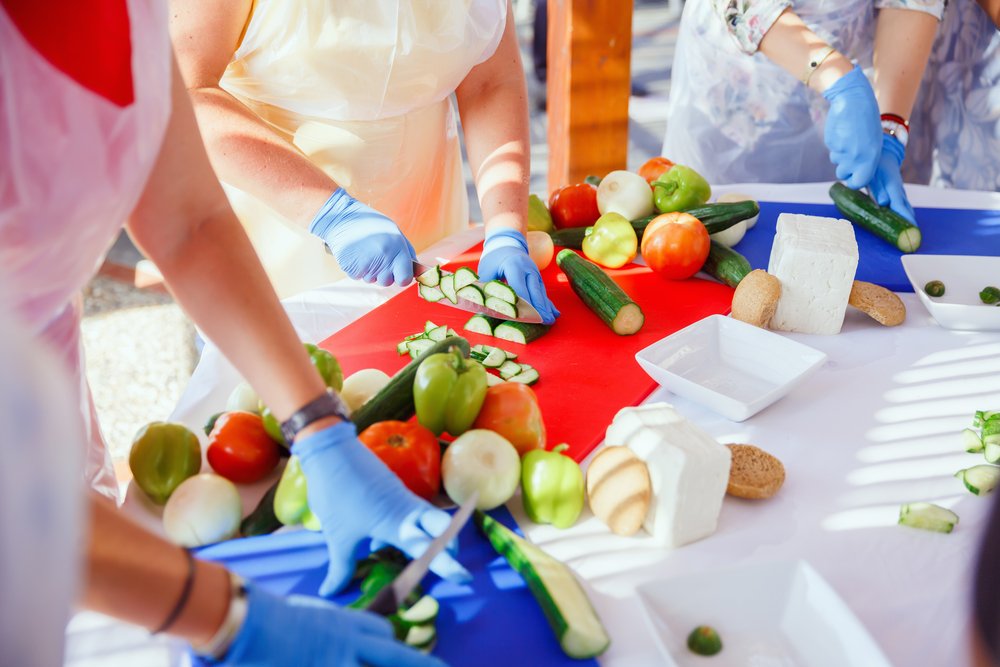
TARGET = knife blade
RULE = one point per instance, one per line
(525, 311)
(388, 600)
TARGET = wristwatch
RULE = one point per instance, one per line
(896, 126)
(327, 404)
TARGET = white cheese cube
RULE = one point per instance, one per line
(815, 260)
(688, 469)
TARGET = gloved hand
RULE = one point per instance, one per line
(355, 496)
(887, 185)
(301, 631)
(368, 245)
(505, 256)
(853, 128)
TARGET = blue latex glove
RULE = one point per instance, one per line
(887, 185)
(505, 256)
(355, 496)
(853, 131)
(368, 246)
(301, 631)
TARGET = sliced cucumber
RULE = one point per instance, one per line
(471, 293)
(447, 286)
(529, 376)
(452, 332)
(520, 332)
(971, 441)
(481, 324)
(501, 291)
(927, 516)
(423, 611)
(401, 347)
(432, 294)
(505, 308)
(493, 380)
(465, 276)
(991, 452)
(431, 278)
(510, 355)
(495, 359)
(438, 333)
(418, 346)
(420, 636)
(980, 479)
(480, 349)
(428, 325)
(509, 369)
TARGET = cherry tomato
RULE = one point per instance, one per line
(574, 206)
(653, 167)
(675, 245)
(409, 450)
(511, 409)
(240, 449)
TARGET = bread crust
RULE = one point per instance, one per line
(754, 473)
(619, 490)
(756, 298)
(882, 305)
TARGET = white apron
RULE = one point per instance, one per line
(362, 88)
(72, 167)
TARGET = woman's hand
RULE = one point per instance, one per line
(853, 132)
(505, 256)
(887, 185)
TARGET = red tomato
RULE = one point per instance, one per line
(654, 167)
(240, 449)
(511, 409)
(574, 206)
(675, 245)
(409, 450)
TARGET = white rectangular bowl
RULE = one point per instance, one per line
(964, 276)
(729, 366)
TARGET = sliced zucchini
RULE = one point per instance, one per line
(501, 290)
(509, 369)
(420, 636)
(520, 332)
(529, 376)
(432, 294)
(418, 346)
(423, 611)
(428, 325)
(465, 276)
(505, 308)
(431, 278)
(471, 293)
(447, 286)
(495, 359)
(438, 333)
(481, 324)
(927, 516)
(991, 452)
(481, 349)
(401, 347)
(510, 355)
(493, 380)
(980, 479)
(971, 441)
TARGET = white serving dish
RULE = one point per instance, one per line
(780, 614)
(964, 276)
(729, 366)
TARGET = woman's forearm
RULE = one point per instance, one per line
(792, 46)
(903, 40)
(493, 104)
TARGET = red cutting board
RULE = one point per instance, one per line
(587, 372)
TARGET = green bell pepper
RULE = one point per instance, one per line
(162, 456)
(448, 391)
(327, 365)
(539, 218)
(552, 487)
(291, 502)
(273, 427)
(611, 242)
(679, 189)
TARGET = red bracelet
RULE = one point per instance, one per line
(896, 118)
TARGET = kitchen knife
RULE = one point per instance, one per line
(388, 600)
(525, 311)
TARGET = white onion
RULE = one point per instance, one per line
(361, 386)
(731, 236)
(732, 197)
(484, 461)
(204, 509)
(626, 193)
(540, 249)
(243, 398)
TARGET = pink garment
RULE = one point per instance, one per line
(72, 167)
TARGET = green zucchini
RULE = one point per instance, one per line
(726, 265)
(601, 294)
(520, 332)
(881, 221)
(563, 601)
(715, 217)
(262, 521)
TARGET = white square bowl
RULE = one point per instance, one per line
(781, 613)
(964, 276)
(729, 366)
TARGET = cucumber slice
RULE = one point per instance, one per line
(481, 324)
(501, 291)
(520, 332)
(438, 333)
(418, 346)
(971, 441)
(480, 349)
(509, 369)
(465, 276)
(432, 294)
(927, 516)
(980, 479)
(452, 333)
(991, 451)
(428, 325)
(447, 286)
(471, 293)
(529, 376)
(431, 278)
(495, 359)
(499, 305)
(401, 347)
(493, 380)
(423, 611)
(420, 636)
(510, 355)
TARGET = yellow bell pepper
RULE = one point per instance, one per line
(611, 242)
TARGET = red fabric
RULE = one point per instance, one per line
(88, 40)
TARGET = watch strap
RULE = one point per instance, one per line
(327, 404)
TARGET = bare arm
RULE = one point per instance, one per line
(243, 149)
(992, 9)
(493, 104)
(903, 40)
(792, 45)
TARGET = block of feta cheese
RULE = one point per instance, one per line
(688, 470)
(815, 260)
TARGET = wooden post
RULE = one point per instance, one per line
(589, 78)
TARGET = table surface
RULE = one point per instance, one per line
(877, 426)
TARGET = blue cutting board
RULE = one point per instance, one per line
(494, 620)
(946, 231)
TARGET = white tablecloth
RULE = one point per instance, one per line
(877, 426)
